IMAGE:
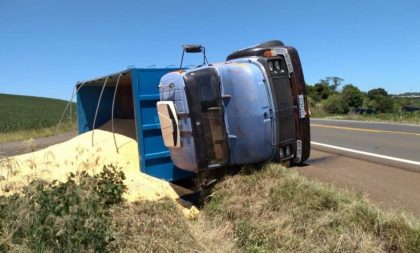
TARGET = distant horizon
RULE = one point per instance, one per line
(48, 46)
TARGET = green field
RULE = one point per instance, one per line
(23, 117)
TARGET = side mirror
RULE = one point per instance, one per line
(193, 49)
(169, 124)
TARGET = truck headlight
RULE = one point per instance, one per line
(281, 153)
(270, 66)
(287, 150)
(277, 65)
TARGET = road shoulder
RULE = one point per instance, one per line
(21, 147)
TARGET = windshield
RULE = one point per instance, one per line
(206, 111)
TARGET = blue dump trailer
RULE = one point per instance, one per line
(132, 95)
(249, 109)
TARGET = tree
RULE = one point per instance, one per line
(380, 100)
(319, 92)
(352, 96)
(377, 93)
(336, 105)
(309, 90)
(333, 82)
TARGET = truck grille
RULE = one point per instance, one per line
(284, 108)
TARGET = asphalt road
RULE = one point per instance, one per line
(382, 178)
(394, 140)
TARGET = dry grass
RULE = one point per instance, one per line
(159, 226)
(214, 239)
(278, 210)
(151, 226)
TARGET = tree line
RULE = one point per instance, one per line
(332, 96)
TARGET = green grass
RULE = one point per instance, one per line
(24, 117)
(399, 117)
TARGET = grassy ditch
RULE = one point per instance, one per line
(397, 117)
(400, 117)
(267, 209)
(275, 209)
(318, 111)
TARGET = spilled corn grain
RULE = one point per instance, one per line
(77, 154)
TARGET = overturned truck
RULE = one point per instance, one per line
(249, 109)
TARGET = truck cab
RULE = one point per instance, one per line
(244, 110)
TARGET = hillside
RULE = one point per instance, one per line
(20, 114)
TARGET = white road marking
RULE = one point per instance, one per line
(367, 153)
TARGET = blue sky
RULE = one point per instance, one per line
(46, 46)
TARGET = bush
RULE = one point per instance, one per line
(336, 105)
(380, 100)
(352, 96)
(382, 104)
(61, 217)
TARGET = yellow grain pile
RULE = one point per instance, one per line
(57, 161)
